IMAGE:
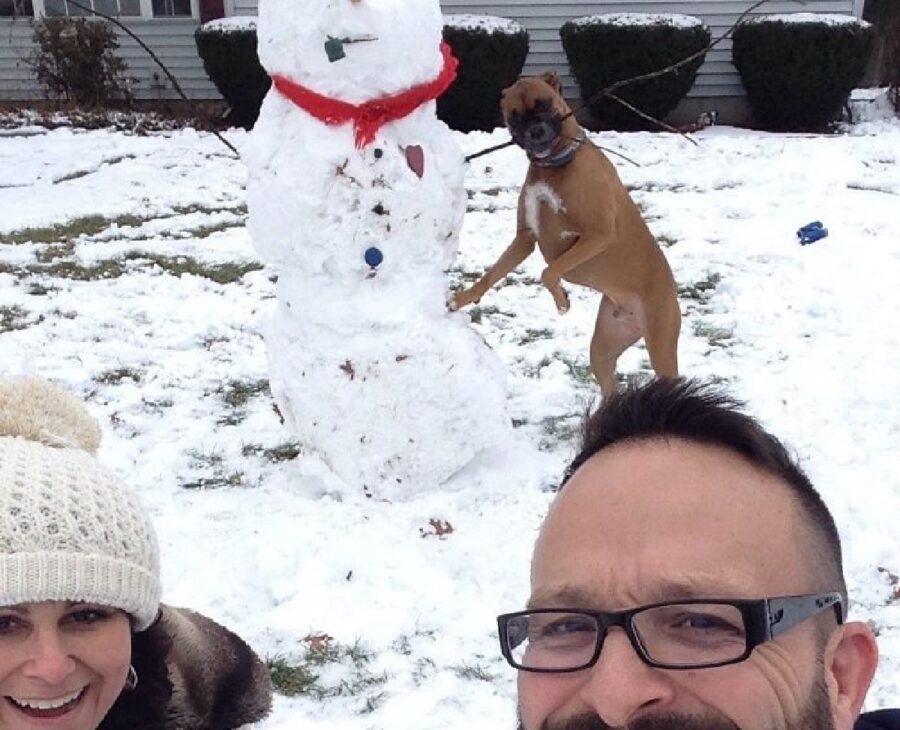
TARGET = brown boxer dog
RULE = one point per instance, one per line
(590, 232)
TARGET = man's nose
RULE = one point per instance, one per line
(50, 658)
(621, 687)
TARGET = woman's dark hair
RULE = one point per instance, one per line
(703, 413)
(144, 707)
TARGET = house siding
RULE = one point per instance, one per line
(173, 41)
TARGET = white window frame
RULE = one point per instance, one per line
(146, 11)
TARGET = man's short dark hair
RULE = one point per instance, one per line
(705, 414)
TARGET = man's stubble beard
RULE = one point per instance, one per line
(816, 715)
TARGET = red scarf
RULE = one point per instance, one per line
(369, 116)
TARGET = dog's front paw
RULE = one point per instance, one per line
(562, 301)
(461, 299)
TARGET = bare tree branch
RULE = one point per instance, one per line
(703, 51)
(662, 124)
(197, 110)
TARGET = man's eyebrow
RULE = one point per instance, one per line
(669, 590)
(562, 597)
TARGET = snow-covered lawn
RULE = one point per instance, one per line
(127, 274)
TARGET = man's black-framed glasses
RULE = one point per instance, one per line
(688, 634)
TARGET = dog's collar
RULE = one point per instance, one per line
(564, 156)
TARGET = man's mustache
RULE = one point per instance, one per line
(657, 722)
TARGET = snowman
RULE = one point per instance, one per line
(356, 199)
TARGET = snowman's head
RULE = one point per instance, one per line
(353, 50)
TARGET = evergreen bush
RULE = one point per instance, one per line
(228, 50)
(75, 59)
(604, 49)
(491, 53)
(799, 69)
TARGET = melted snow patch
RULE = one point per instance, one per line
(534, 196)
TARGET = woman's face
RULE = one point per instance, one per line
(62, 664)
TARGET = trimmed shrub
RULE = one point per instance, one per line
(75, 59)
(491, 53)
(228, 49)
(799, 69)
(604, 49)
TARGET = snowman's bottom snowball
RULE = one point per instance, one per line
(405, 408)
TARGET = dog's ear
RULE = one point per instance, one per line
(552, 78)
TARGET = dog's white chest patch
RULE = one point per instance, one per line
(534, 196)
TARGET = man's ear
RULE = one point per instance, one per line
(552, 78)
(851, 656)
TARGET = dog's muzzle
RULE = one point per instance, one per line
(537, 132)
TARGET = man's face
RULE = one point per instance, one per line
(662, 520)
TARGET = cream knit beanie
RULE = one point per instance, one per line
(69, 529)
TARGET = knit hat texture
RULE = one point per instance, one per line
(69, 529)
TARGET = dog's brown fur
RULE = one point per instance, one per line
(591, 233)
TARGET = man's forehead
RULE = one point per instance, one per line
(669, 480)
(662, 520)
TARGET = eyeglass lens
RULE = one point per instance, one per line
(694, 634)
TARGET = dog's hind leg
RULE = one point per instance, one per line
(662, 327)
(615, 331)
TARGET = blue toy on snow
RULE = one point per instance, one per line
(812, 232)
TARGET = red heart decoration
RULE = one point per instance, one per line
(415, 158)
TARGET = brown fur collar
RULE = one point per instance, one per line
(193, 675)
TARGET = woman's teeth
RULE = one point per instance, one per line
(50, 704)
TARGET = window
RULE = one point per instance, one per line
(172, 8)
(107, 7)
(10, 8)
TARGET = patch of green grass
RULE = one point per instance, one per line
(283, 452)
(293, 679)
(190, 209)
(239, 393)
(89, 225)
(213, 475)
(580, 371)
(117, 375)
(37, 289)
(558, 429)
(700, 290)
(180, 265)
(533, 335)
(55, 262)
(473, 671)
(666, 241)
(287, 451)
(303, 675)
(72, 270)
(16, 318)
(54, 252)
(205, 231)
(716, 336)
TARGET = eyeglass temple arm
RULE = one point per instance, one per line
(785, 613)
